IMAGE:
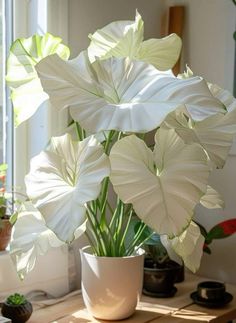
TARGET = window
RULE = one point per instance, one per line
(6, 116)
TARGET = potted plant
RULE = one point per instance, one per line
(5, 224)
(160, 271)
(17, 308)
(118, 90)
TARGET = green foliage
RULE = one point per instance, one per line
(219, 231)
(152, 243)
(16, 299)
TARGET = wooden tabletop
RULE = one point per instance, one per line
(179, 308)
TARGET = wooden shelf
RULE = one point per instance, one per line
(179, 308)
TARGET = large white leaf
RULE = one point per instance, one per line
(65, 177)
(163, 186)
(125, 39)
(32, 238)
(27, 93)
(215, 134)
(188, 245)
(119, 94)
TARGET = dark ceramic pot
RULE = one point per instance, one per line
(159, 281)
(5, 233)
(17, 313)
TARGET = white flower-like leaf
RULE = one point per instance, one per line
(188, 245)
(32, 238)
(119, 94)
(212, 199)
(125, 39)
(164, 186)
(63, 179)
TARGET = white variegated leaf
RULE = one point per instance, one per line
(119, 94)
(63, 179)
(163, 186)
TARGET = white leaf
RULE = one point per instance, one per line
(215, 134)
(119, 39)
(27, 93)
(212, 199)
(164, 186)
(162, 53)
(119, 94)
(32, 238)
(125, 39)
(63, 179)
(189, 246)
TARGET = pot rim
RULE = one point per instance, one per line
(87, 250)
(178, 266)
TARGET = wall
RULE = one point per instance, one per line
(86, 16)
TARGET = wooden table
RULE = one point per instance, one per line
(179, 308)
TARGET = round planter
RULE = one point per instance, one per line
(5, 233)
(159, 281)
(17, 313)
(111, 286)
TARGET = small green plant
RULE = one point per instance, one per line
(16, 299)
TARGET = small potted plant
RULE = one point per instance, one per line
(17, 308)
(160, 271)
(5, 224)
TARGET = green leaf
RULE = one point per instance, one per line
(222, 230)
(27, 93)
(3, 168)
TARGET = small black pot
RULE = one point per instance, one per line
(17, 313)
(159, 280)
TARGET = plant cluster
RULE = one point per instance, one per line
(117, 91)
(16, 299)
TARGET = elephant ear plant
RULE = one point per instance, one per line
(116, 91)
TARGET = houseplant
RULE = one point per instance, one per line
(160, 272)
(17, 308)
(5, 224)
(118, 90)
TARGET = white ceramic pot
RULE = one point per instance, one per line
(111, 286)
